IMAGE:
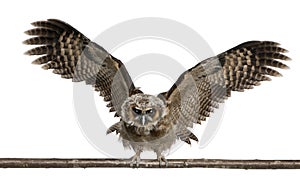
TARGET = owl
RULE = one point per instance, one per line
(153, 122)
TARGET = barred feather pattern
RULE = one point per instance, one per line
(201, 89)
(192, 99)
(73, 56)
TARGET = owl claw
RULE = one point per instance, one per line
(135, 160)
(161, 159)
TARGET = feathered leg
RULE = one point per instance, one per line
(161, 159)
(136, 158)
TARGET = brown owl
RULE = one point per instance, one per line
(150, 122)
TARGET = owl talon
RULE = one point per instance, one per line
(161, 159)
(135, 161)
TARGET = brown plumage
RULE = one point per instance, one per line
(153, 122)
(200, 89)
(73, 56)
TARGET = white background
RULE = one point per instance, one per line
(37, 116)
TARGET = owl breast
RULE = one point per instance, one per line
(158, 139)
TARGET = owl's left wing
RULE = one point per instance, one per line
(199, 90)
(73, 56)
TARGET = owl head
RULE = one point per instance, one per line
(142, 110)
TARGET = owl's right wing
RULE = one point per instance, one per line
(199, 90)
(73, 56)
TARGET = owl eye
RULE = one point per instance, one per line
(150, 111)
(137, 111)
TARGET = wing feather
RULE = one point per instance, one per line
(200, 90)
(73, 56)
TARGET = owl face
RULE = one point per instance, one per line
(143, 110)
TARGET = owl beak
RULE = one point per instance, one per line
(143, 120)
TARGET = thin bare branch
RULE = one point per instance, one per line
(125, 163)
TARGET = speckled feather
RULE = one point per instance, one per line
(199, 90)
(194, 96)
(73, 56)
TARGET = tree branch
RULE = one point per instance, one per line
(125, 163)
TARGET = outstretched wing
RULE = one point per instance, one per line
(73, 56)
(199, 90)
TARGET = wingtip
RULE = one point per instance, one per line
(27, 53)
(34, 23)
(285, 51)
(285, 67)
(46, 67)
(277, 75)
(35, 62)
(26, 32)
(269, 79)
(26, 42)
(108, 132)
(288, 59)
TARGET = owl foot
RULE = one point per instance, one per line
(135, 160)
(161, 159)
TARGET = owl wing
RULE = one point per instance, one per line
(199, 90)
(73, 56)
